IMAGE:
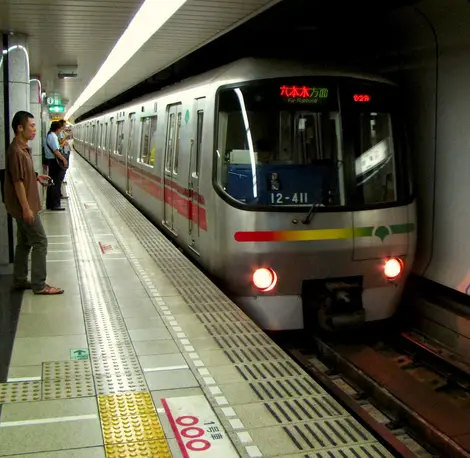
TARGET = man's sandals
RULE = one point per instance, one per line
(49, 291)
(46, 291)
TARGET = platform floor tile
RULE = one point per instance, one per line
(49, 426)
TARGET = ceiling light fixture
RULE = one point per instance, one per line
(150, 17)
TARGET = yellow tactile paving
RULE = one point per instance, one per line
(131, 426)
(123, 405)
(153, 449)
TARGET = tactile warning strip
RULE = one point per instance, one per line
(131, 426)
(52, 370)
(129, 421)
(202, 297)
(20, 392)
(152, 449)
(66, 389)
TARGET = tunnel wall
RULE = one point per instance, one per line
(436, 96)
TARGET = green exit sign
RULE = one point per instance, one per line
(57, 109)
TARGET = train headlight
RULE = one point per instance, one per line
(264, 279)
(393, 268)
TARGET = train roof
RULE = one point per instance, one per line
(249, 69)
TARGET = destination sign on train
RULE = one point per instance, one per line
(304, 94)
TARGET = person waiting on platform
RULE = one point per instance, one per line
(22, 203)
(65, 151)
(57, 166)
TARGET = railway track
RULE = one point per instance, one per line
(410, 391)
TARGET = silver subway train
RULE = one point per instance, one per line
(290, 184)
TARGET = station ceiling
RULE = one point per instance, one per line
(82, 33)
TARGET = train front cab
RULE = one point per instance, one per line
(316, 204)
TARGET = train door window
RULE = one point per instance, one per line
(170, 141)
(200, 123)
(101, 137)
(105, 139)
(87, 134)
(93, 140)
(148, 141)
(120, 138)
(375, 166)
(130, 145)
(177, 144)
(111, 142)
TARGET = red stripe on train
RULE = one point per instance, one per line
(151, 185)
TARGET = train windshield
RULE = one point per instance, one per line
(287, 143)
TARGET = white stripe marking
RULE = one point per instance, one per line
(23, 379)
(244, 437)
(236, 423)
(215, 390)
(254, 451)
(165, 368)
(229, 412)
(8, 424)
(221, 400)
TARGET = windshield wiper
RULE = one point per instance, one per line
(310, 213)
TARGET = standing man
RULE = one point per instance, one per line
(22, 203)
(57, 165)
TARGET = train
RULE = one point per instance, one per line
(288, 182)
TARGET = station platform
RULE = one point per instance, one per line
(143, 356)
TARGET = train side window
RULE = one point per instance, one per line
(177, 144)
(120, 138)
(148, 140)
(200, 123)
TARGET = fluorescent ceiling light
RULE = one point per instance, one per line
(150, 17)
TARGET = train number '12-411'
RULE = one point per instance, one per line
(296, 198)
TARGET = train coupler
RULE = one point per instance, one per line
(333, 304)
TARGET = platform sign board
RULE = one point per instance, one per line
(79, 354)
(197, 428)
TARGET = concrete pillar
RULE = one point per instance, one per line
(14, 96)
(36, 145)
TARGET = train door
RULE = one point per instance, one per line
(130, 153)
(104, 146)
(170, 174)
(93, 143)
(86, 152)
(111, 145)
(97, 141)
(100, 142)
(193, 179)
